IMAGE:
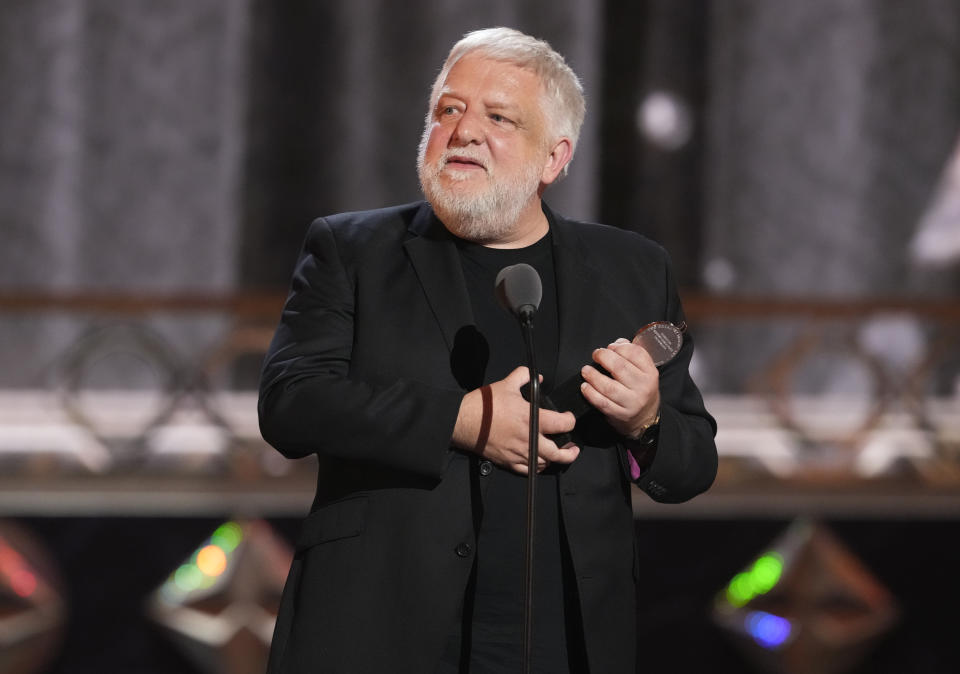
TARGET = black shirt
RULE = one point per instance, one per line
(493, 620)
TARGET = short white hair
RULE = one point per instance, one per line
(564, 103)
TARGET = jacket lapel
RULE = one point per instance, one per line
(434, 257)
(577, 309)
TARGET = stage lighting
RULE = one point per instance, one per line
(220, 605)
(31, 607)
(806, 605)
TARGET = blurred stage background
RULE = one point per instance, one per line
(160, 161)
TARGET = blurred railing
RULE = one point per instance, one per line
(840, 406)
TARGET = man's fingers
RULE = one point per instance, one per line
(635, 354)
(553, 454)
(632, 372)
(506, 444)
(547, 453)
(601, 384)
(617, 364)
(556, 422)
(599, 400)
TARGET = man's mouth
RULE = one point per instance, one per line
(463, 163)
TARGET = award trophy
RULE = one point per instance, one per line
(661, 339)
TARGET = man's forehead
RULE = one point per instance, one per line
(504, 77)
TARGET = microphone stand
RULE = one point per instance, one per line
(526, 327)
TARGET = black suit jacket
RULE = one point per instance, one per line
(363, 372)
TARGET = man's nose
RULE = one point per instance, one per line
(468, 130)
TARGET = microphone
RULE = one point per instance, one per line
(519, 290)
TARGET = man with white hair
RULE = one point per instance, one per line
(394, 365)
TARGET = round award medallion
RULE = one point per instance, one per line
(661, 339)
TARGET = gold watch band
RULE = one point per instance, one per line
(647, 427)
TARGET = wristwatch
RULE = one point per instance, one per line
(644, 446)
(648, 434)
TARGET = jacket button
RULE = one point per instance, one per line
(464, 549)
(486, 467)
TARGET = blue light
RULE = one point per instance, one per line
(768, 630)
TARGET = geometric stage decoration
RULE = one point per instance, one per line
(31, 608)
(936, 242)
(805, 606)
(220, 605)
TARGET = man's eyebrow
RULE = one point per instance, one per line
(449, 93)
(500, 104)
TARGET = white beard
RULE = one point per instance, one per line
(488, 215)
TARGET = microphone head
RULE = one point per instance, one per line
(519, 289)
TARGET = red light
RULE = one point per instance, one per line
(23, 583)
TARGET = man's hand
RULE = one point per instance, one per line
(630, 397)
(494, 422)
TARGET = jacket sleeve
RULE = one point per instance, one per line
(685, 463)
(310, 403)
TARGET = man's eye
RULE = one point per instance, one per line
(498, 118)
(448, 110)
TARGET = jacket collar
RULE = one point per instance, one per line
(434, 256)
(435, 260)
(577, 283)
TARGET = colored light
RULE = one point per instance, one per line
(768, 630)
(760, 578)
(21, 579)
(227, 536)
(739, 590)
(187, 578)
(23, 583)
(207, 564)
(766, 572)
(211, 560)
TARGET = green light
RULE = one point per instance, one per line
(766, 572)
(187, 578)
(760, 578)
(227, 536)
(739, 591)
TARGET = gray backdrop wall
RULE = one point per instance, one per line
(185, 145)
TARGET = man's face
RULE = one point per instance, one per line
(484, 152)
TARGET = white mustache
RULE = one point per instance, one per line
(461, 154)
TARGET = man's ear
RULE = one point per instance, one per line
(560, 155)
